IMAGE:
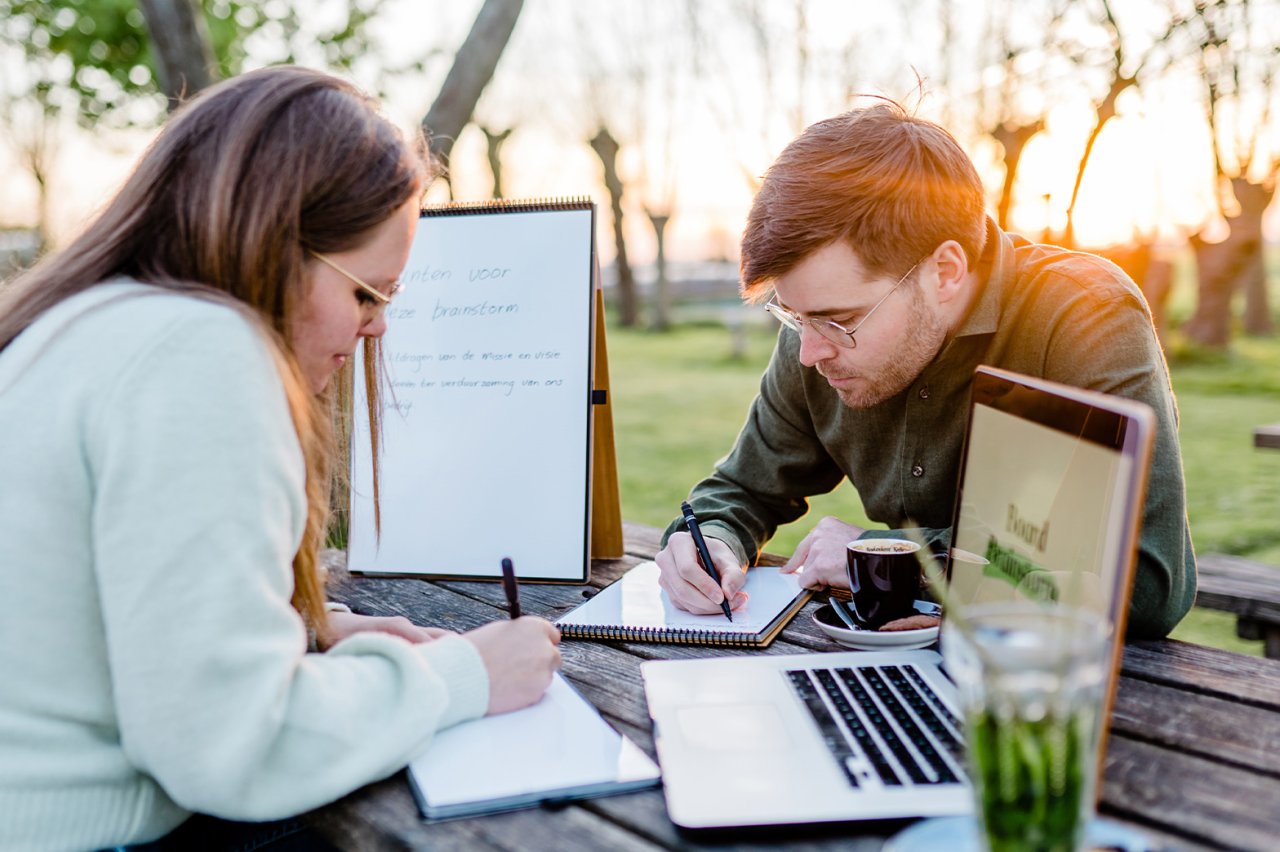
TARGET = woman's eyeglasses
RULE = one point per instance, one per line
(381, 299)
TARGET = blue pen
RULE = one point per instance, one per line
(704, 556)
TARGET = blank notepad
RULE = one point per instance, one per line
(560, 748)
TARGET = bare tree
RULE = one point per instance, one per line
(473, 67)
(1124, 72)
(494, 140)
(183, 53)
(662, 283)
(1014, 53)
(615, 104)
(606, 148)
(31, 118)
(1238, 66)
(1104, 112)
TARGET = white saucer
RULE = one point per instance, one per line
(877, 640)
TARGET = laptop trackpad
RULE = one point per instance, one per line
(725, 727)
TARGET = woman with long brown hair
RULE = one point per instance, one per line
(166, 395)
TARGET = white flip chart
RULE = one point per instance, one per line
(486, 446)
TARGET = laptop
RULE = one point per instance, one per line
(1049, 503)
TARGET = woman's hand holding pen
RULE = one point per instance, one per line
(688, 584)
(520, 656)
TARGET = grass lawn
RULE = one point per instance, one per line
(680, 398)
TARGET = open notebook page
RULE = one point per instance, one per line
(637, 601)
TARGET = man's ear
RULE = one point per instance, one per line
(953, 271)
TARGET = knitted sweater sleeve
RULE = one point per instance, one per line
(198, 510)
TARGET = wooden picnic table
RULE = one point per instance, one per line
(1193, 758)
(1267, 437)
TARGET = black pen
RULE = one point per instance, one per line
(703, 554)
(509, 586)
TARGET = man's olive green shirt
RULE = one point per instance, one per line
(1044, 311)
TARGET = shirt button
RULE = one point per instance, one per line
(917, 471)
(924, 392)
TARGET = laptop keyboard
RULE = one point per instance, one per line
(884, 721)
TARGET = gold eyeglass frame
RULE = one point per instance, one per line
(382, 297)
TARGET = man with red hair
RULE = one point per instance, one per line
(868, 240)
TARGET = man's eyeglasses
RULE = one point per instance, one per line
(829, 329)
(381, 299)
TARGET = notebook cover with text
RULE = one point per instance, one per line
(634, 608)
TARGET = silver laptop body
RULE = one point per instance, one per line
(740, 743)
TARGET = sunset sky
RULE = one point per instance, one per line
(701, 115)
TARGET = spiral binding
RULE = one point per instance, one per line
(679, 635)
(502, 205)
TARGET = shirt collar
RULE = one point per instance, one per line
(995, 271)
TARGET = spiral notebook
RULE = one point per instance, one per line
(634, 608)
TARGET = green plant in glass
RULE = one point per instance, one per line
(1034, 779)
(1031, 677)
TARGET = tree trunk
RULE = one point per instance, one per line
(473, 67)
(662, 285)
(183, 52)
(606, 148)
(1013, 138)
(1218, 268)
(44, 224)
(494, 140)
(1234, 264)
(1257, 319)
(39, 153)
(1254, 199)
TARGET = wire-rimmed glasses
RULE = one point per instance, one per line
(830, 329)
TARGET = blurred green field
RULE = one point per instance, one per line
(680, 398)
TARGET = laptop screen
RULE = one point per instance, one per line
(1050, 495)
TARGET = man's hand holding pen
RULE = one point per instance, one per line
(690, 587)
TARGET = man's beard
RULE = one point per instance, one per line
(905, 365)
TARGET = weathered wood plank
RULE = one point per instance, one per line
(570, 829)
(420, 602)
(647, 816)
(1203, 801)
(1213, 728)
(384, 816)
(1238, 585)
(642, 541)
(1209, 671)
